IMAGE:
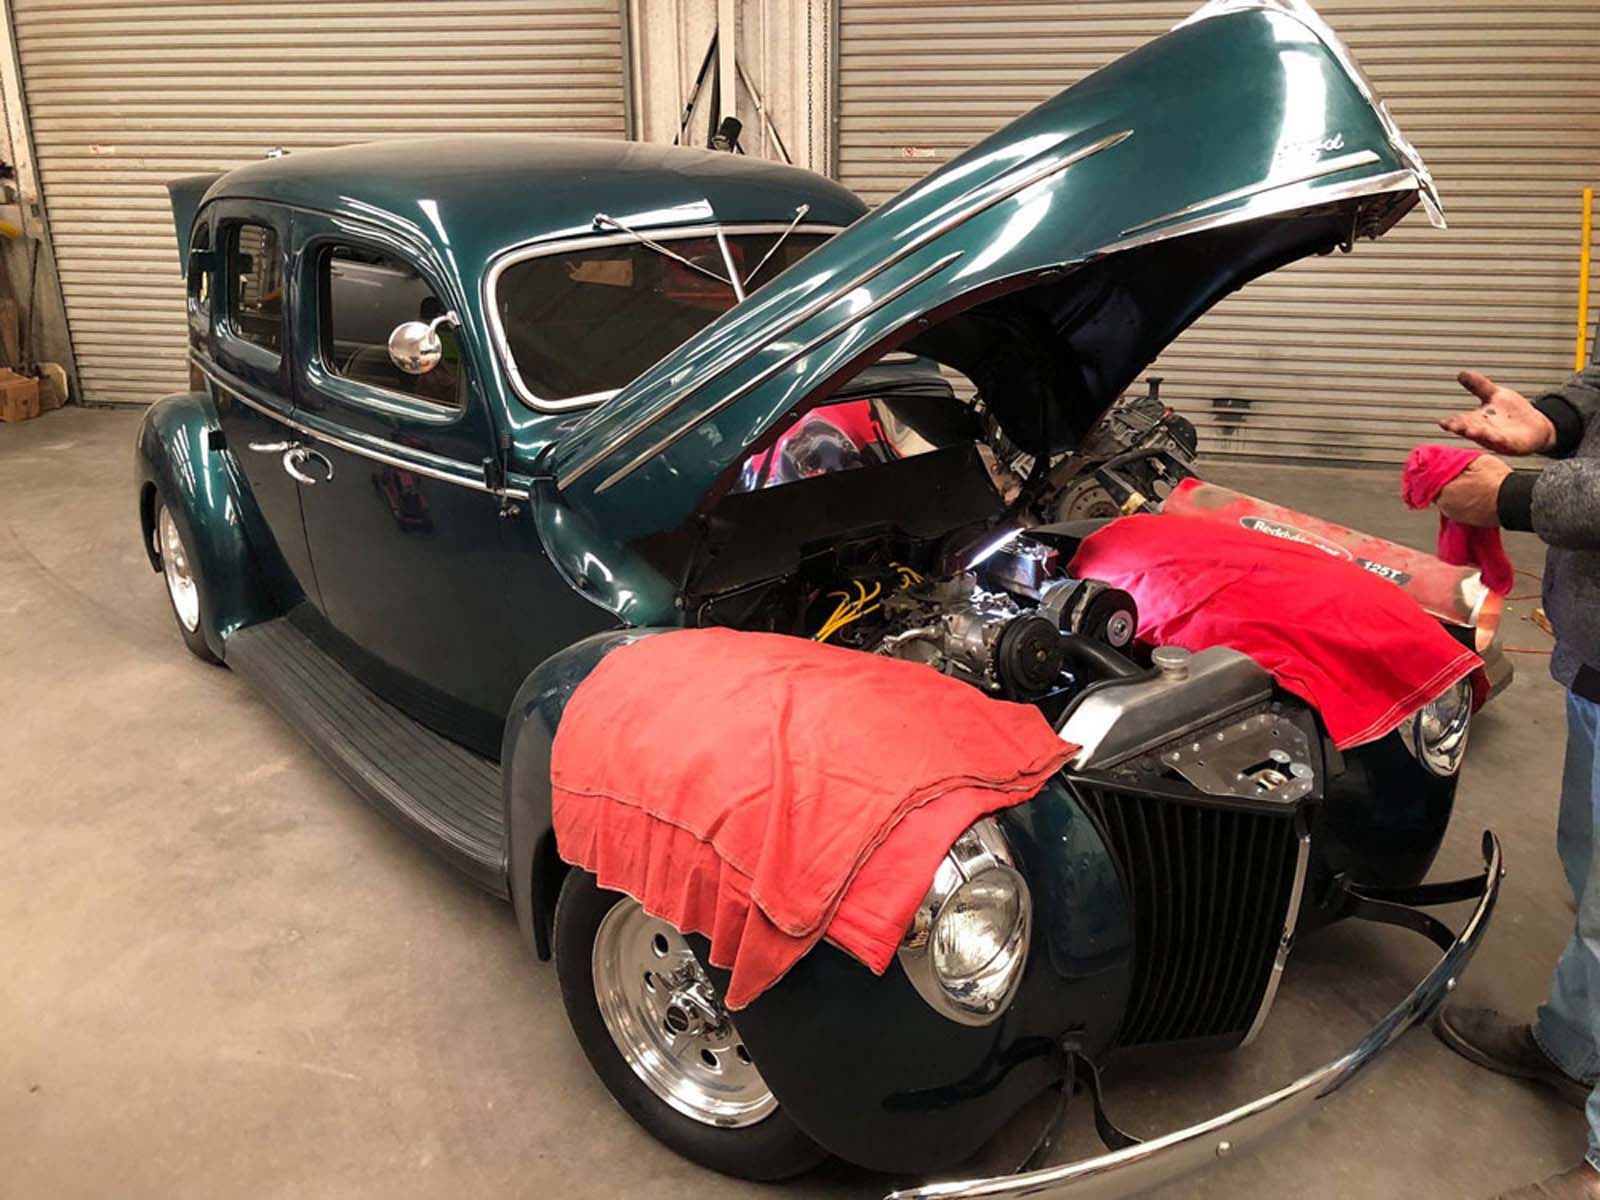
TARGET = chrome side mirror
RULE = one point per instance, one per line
(414, 346)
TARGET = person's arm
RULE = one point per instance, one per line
(1570, 408)
(1561, 503)
(1507, 422)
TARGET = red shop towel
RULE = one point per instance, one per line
(1359, 649)
(767, 791)
(1427, 471)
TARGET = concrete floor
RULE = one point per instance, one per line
(221, 975)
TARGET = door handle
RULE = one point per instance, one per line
(272, 447)
(297, 456)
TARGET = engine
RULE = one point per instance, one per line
(986, 638)
(1011, 626)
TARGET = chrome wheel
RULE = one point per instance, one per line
(180, 579)
(668, 1023)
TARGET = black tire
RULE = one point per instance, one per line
(771, 1149)
(194, 638)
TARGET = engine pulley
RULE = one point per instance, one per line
(1093, 609)
(1029, 657)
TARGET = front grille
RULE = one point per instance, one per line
(1209, 888)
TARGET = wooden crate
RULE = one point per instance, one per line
(19, 397)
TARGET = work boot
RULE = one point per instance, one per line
(1483, 1036)
(1580, 1183)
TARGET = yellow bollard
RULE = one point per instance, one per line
(1583, 281)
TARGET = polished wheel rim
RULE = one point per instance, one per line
(180, 580)
(666, 1019)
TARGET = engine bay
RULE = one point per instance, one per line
(1005, 617)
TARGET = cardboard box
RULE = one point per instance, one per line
(19, 397)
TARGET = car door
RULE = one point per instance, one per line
(399, 520)
(240, 345)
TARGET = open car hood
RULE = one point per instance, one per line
(1051, 263)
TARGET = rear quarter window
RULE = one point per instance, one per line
(255, 285)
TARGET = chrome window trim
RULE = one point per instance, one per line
(967, 206)
(432, 466)
(387, 402)
(531, 250)
(1291, 922)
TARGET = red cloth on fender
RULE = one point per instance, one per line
(1359, 649)
(767, 791)
(1428, 469)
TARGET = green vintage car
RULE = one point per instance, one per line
(466, 415)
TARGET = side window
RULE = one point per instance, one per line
(200, 281)
(255, 285)
(365, 295)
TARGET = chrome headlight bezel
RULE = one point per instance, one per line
(1436, 734)
(980, 856)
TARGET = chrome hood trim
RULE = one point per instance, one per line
(1308, 16)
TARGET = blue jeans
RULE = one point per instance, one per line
(1568, 1028)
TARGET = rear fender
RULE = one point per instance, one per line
(179, 456)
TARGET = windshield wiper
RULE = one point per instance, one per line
(601, 220)
(799, 215)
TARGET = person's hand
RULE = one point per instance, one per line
(1473, 497)
(1504, 421)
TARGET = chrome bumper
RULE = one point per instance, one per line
(1138, 1168)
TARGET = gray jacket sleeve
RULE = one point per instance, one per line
(1562, 503)
(1566, 504)
(1571, 408)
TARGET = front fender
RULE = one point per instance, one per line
(873, 1074)
(180, 457)
(863, 1064)
(536, 870)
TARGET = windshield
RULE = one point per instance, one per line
(578, 324)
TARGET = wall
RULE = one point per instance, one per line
(27, 263)
(783, 46)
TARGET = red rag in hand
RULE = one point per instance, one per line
(767, 791)
(1427, 471)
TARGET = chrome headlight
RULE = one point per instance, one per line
(1437, 733)
(968, 942)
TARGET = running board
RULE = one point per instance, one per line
(441, 793)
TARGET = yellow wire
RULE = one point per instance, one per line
(834, 621)
(849, 610)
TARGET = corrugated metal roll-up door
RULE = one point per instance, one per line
(123, 97)
(1345, 358)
